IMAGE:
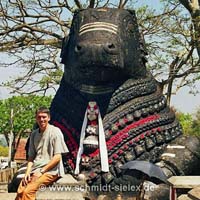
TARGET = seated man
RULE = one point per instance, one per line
(44, 157)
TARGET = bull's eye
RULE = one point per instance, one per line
(129, 24)
(111, 46)
(78, 48)
(130, 27)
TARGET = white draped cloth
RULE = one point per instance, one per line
(102, 145)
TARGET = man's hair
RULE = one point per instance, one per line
(42, 110)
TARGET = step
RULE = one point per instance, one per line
(184, 197)
(47, 196)
(3, 187)
(194, 194)
(7, 196)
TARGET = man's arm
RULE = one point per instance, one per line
(58, 148)
(52, 163)
(27, 176)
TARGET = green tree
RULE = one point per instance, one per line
(190, 123)
(186, 121)
(3, 151)
(23, 117)
(196, 123)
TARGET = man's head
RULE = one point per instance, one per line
(42, 116)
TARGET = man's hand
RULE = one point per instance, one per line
(26, 179)
(31, 177)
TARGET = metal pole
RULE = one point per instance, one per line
(10, 137)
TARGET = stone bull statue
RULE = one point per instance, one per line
(104, 58)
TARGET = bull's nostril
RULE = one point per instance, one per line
(78, 48)
(111, 46)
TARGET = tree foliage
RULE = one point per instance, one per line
(23, 117)
(196, 123)
(190, 123)
(31, 34)
(193, 6)
(3, 151)
(186, 121)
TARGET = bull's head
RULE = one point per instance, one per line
(103, 48)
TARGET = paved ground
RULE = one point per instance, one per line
(7, 196)
(47, 196)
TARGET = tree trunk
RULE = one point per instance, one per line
(196, 22)
(194, 9)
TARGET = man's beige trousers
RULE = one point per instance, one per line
(28, 192)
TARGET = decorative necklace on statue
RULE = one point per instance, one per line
(92, 138)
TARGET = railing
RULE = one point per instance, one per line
(6, 175)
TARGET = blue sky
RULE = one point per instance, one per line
(186, 102)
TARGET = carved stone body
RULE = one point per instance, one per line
(104, 60)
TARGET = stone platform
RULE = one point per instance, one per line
(66, 188)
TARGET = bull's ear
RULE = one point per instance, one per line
(143, 48)
(63, 48)
(132, 12)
